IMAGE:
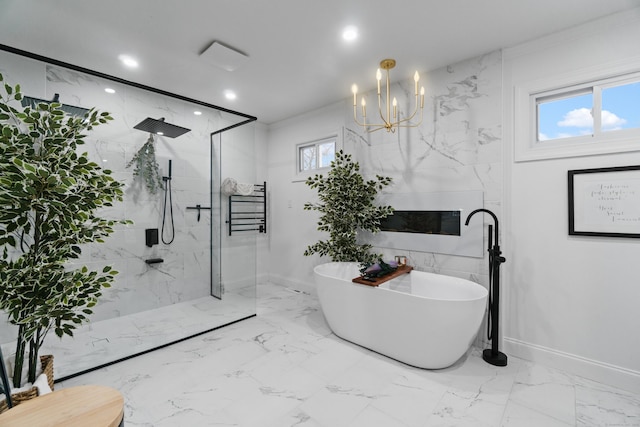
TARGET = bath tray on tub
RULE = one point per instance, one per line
(403, 269)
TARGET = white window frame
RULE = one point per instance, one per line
(300, 175)
(529, 148)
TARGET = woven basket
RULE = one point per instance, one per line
(46, 363)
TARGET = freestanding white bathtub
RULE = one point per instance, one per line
(421, 319)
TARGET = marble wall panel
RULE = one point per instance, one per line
(457, 147)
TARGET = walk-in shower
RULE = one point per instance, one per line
(204, 279)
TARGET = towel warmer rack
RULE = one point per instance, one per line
(248, 212)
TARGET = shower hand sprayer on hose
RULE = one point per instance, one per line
(493, 355)
(167, 192)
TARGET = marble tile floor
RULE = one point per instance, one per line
(285, 368)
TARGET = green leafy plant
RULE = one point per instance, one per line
(49, 195)
(346, 202)
(146, 166)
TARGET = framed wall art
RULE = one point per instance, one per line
(605, 202)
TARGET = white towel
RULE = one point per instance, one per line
(245, 189)
(229, 186)
(42, 384)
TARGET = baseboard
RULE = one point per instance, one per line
(601, 372)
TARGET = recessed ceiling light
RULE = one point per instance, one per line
(128, 61)
(160, 133)
(350, 33)
(109, 90)
(197, 113)
(230, 95)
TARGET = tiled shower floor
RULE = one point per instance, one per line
(285, 368)
(99, 343)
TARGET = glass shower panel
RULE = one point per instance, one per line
(235, 282)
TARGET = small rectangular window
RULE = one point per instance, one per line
(588, 111)
(565, 115)
(308, 158)
(316, 155)
(621, 107)
(595, 111)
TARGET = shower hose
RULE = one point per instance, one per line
(167, 191)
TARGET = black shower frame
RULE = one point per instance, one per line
(248, 119)
(52, 61)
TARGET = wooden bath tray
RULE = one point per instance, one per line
(403, 269)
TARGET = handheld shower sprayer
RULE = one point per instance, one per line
(493, 355)
(167, 191)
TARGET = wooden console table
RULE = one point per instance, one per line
(82, 406)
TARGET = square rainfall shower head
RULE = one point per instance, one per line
(161, 127)
(29, 101)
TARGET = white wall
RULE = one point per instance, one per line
(291, 229)
(569, 301)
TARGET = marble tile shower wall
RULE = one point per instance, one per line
(458, 147)
(185, 272)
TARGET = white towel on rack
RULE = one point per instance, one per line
(244, 189)
(229, 186)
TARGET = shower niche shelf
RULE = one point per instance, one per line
(248, 212)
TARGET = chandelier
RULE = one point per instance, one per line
(390, 118)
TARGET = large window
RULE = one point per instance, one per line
(316, 155)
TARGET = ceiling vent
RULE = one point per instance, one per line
(224, 57)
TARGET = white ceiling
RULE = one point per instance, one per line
(297, 58)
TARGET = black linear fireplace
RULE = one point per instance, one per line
(424, 222)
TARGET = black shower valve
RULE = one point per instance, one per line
(151, 236)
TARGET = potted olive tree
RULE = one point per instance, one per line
(346, 202)
(49, 197)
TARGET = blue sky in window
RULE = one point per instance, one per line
(569, 117)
